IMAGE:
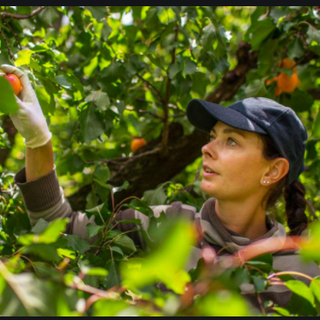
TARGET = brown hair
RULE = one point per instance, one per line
(294, 194)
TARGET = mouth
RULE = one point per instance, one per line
(208, 172)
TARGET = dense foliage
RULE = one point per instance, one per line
(104, 75)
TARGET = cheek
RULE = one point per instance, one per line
(242, 170)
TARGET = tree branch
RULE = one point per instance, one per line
(7, 44)
(235, 78)
(151, 86)
(22, 16)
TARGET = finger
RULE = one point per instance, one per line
(8, 69)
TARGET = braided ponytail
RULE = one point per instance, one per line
(295, 207)
(294, 194)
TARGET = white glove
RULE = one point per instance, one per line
(29, 121)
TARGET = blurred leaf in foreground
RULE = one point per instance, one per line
(166, 263)
(8, 103)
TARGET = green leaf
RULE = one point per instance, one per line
(94, 271)
(109, 308)
(8, 103)
(296, 49)
(141, 206)
(123, 187)
(209, 34)
(113, 278)
(91, 125)
(93, 230)
(24, 57)
(315, 288)
(49, 235)
(222, 303)
(313, 34)
(301, 289)
(259, 31)
(102, 172)
(282, 311)
(40, 226)
(189, 66)
(45, 251)
(63, 81)
(256, 88)
(46, 100)
(166, 263)
(27, 296)
(100, 99)
(259, 283)
(155, 197)
(98, 12)
(301, 101)
(174, 69)
(49, 15)
(125, 243)
(77, 243)
(105, 31)
(88, 70)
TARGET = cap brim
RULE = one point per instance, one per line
(204, 115)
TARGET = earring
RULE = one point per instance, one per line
(266, 181)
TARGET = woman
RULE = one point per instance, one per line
(256, 149)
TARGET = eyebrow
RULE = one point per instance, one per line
(228, 130)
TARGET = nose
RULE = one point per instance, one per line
(209, 150)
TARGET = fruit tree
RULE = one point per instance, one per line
(106, 74)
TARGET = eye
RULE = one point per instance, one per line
(211, 138)
(232, 142)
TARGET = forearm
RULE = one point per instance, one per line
(39, 161)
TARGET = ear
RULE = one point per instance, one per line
(278, 168)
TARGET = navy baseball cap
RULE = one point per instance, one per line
(260, 115)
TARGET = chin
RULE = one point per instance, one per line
(208, 188)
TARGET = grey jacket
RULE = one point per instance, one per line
(44, 198)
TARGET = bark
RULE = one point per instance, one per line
(149, 167)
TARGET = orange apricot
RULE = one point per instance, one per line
(15, 82)
(137, 143)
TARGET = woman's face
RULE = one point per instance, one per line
(236, 157)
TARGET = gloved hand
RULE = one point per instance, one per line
(29, 121)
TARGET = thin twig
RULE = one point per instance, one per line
(22, 16)
(293, 273)
(7, 44)
(313, 211)
(150, 85)
(151, 113)
(260, 303)
(110, 294)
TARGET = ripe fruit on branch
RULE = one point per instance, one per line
(15, 82)
(137, 143)
(286, 83)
